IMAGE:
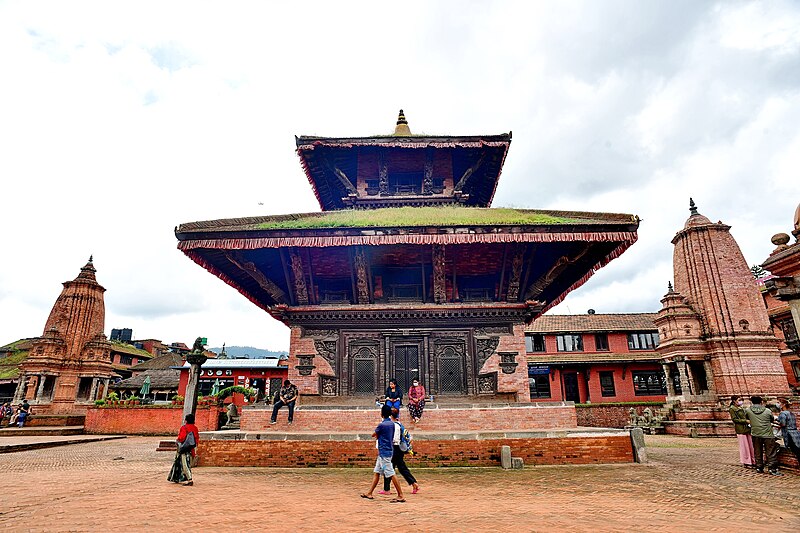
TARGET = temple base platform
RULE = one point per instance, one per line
(700, 420)
(449, 434)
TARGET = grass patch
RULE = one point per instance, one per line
(9, 366)
(419, 216)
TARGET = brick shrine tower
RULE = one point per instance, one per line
(715, 337)
(69, 365)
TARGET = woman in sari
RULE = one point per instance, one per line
(416, 400)
(182, 466)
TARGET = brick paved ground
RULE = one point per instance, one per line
(689, 485)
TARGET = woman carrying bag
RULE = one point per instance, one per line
(188, 437)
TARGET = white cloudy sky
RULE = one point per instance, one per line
(120, 120)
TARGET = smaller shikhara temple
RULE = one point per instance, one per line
(407, 273)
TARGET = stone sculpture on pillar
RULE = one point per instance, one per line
(195, 358)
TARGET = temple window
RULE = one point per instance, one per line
(649, 383)
(642, 341)
(570, 342)
(796, 369)
(534, 343)
(607, 384)
(125, 360)
(539, 384)
(405, 183)
(601, 342)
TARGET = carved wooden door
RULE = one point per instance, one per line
(451, 371)
(571, 393)
(406, 365)
(363, 374)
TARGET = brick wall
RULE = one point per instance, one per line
(428, 453)
(146, 420)
(523, 417)
(608, 416)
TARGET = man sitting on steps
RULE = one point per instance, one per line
(286, 396)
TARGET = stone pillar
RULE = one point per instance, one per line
(105, 387)
(670, 384)
(686, 385)
(93, 391)
(195, 360)
(19, 394)
(40, 387)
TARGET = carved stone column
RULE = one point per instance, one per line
(105, 387)
(19, 393)
(40, 388)
(93, 391)
(439, 285)
(686, 385)
(670, 383)
(712, 387)
(195, 360)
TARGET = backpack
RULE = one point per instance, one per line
(188, 443)
(405, 440)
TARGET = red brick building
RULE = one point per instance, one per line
(262, 375)
(406, 273)
(782, 296)
(594, 358)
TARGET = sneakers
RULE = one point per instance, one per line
(760, 470)
(775, 473)
(273, 422)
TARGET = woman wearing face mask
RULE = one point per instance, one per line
(742, 427)
(416, 400)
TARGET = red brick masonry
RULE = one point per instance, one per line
(146, 420)
(502, 417)
(431, 450)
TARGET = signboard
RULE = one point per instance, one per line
(538, 370)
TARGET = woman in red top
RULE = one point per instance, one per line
(416, 400)
(182, 466)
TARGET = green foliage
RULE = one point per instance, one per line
(9, 366)
(112, 397)
(620, 404)
(758, 272)
(99, 403)
(178, 398)
(224, 393)
(417, 216)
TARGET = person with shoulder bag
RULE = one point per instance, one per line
(742, 427)
(401, 445)
(188, 438)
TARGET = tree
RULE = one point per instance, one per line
(758, 272)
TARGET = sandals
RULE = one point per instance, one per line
(367, 496)
(397, 500)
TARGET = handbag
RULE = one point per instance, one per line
(188, 443)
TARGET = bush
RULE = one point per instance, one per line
(99, 403)
(112, 397)
(224, 393)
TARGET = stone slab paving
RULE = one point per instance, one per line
(24, 443)
(689, 485)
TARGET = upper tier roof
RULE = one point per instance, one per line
(590, 323)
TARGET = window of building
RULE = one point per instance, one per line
(534, 343)
(642, 341)
(607, 384)
(539, 384)
(569, 343)
(601, 342)
(649, 383)
(125, 360)
(796, 369)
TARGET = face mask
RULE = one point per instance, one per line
(740, 403)
(416, 383)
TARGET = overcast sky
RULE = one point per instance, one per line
(121, 120)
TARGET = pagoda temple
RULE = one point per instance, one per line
(407, 272)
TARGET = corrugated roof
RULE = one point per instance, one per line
(238, 363)
(603, 357)
(122, 347)
(167, 360)
(592, 323)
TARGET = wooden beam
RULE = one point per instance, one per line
(284, 264)
(275, 292)
(469, 172)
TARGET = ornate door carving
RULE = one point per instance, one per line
(364, 369)
(451, 367)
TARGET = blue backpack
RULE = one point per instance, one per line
(405, 440)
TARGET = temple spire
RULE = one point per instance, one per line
(692, 207)
(402, 129)
(669, 286)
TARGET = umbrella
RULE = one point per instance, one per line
(145, 390)
(215, 388)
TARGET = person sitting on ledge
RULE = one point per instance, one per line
(286, 396)
(394, 396)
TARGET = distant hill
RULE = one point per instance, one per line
(248, 351)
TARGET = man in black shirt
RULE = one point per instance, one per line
(288, 397)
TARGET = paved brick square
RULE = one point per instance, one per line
(689, 485)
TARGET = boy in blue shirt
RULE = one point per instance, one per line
(383, 465)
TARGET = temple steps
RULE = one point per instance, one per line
(41, 431)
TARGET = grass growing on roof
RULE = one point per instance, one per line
(419, 216)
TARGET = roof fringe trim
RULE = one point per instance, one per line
(405, 144)
(616, 252)
(308, 176)
(253, 243)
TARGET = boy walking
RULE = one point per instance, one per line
(384, 433)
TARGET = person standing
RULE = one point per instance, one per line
(394, 396)
(742, 427)
(188, 438)
(384, 434)
(286, 396)
(399, 442)
(416, 400)
(788, 424)
(764, 445)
